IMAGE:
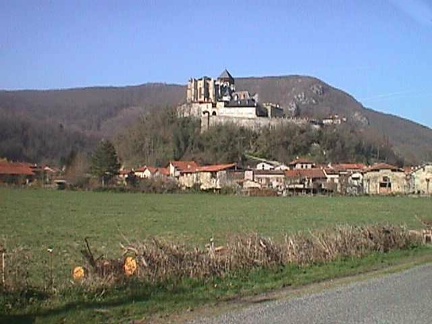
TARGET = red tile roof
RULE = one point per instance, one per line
(141, 169)
(125, 171)
(15, 169)
(164, 171)
(269, 172)
(152, 170)
(313, 173)
(216, 168)
(185, 165)
(383, 166)
(302, 161)
(349, 166)
(211, 168)
(331, 171)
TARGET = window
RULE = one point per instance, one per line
(385, 183)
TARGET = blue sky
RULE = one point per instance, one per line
(379, 51)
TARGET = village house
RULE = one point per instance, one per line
(271, 165)
(354, 183)
(163, 172)
(303, 176)
(215, 177)
(349, 167)
(421, 178)
(345, 178)
(410, 179)
(265, 166)
(306, 180)
(332, 175)
(188, 179)
(176, 168)
(267, 179)
(301, 164)
(125, 173)
(250, 184)
(139, 172)
(282, 167)
(16, 173)
(384, 179)
(146, 172)
(210, 177)
(50, 174)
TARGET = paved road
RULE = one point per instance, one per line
(400, 298)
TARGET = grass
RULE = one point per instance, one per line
(157, 303)
(38, 219)
(34, 220)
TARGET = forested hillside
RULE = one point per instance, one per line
(50, 126)
(90, 109)
(26, 139)
(162, 137)
(413, 141)
(61, 121)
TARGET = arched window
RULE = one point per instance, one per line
(214, 113)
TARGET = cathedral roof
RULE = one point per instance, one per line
(225, 75)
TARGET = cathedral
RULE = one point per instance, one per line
(218, 97)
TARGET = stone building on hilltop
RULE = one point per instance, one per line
(218, 97)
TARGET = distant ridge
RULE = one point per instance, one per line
(105, 111)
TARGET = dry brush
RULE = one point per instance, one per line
(159, 260)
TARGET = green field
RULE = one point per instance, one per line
(33, 220)
(38, 219)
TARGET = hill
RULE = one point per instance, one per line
(89, 109)
(314, 98)
(106, 111)
(49, 126)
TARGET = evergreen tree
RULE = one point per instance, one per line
(104, 162)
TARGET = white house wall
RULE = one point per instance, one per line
(422, 180)
(372, 179)
(264, 166)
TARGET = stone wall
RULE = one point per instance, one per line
(242, 112)
(192, 109)
(252, 123)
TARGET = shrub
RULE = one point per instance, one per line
(159, 260)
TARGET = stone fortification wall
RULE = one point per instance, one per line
(252, 123)
(192, 109)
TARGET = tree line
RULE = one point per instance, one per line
(162, 136)
(28, 140)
